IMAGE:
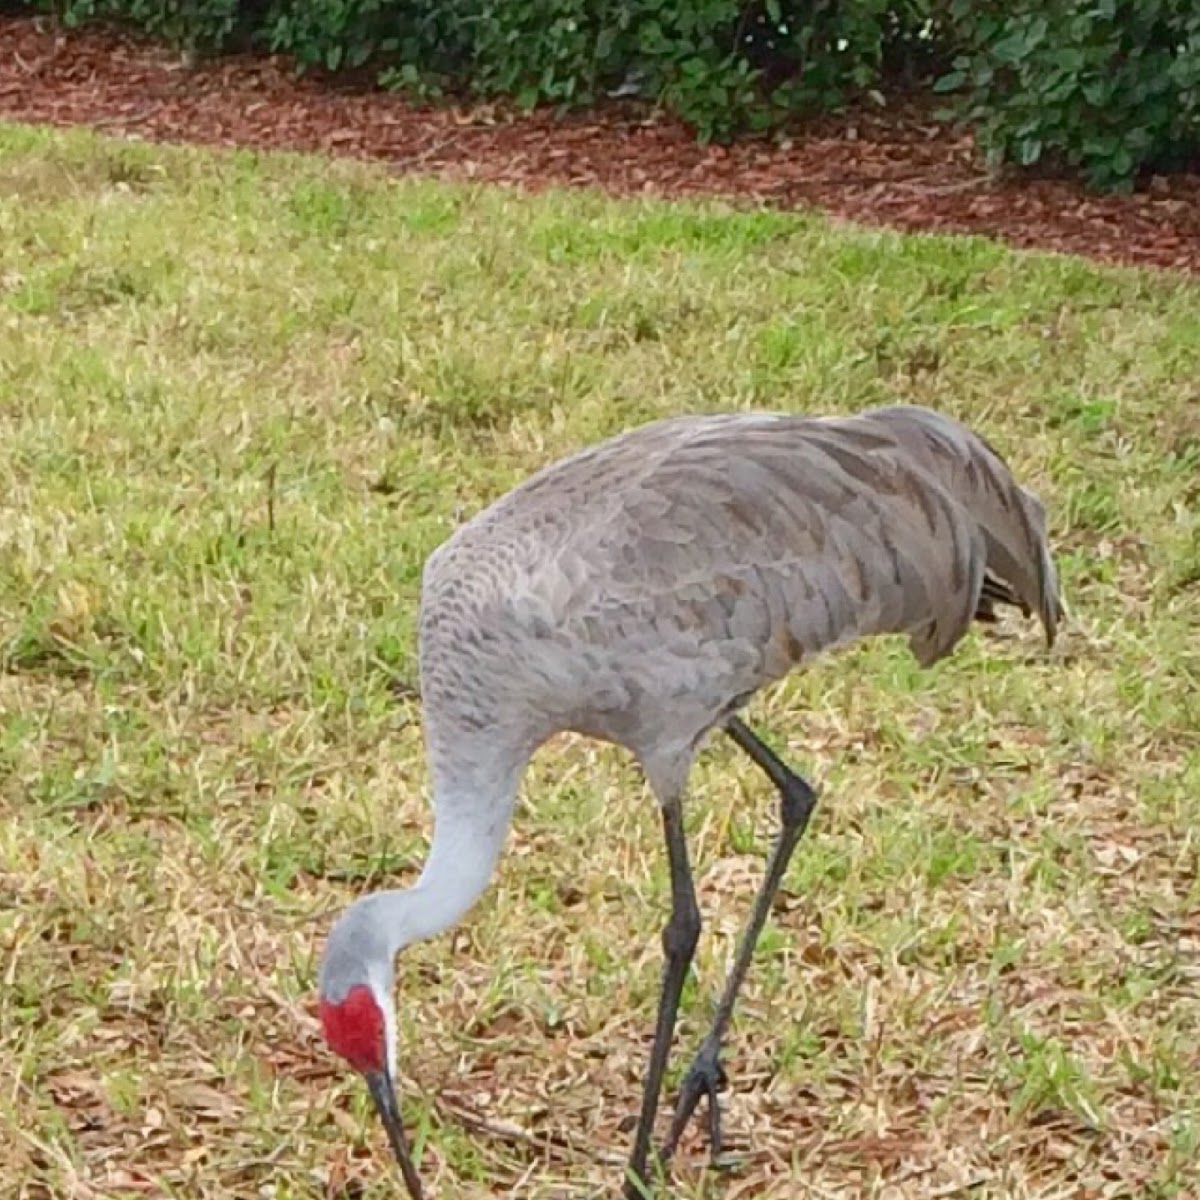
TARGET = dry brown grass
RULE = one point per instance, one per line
(243, 398)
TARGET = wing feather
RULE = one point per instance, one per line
(693, 560)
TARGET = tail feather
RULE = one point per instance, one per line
(1011, 519)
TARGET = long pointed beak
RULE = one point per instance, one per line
(384, 1095)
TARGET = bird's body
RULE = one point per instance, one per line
(642, 590)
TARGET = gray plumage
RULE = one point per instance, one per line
(641, 590)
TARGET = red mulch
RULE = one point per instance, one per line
(891, 167)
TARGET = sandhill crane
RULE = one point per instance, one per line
(640, 592)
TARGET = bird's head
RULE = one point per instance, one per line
(359, 1021)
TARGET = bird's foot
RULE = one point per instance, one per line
(705, 1077)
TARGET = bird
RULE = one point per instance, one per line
(640, 591)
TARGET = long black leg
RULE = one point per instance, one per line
(679, 945)
(705, 1077)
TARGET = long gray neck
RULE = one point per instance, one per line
(475, 779)
(473, 808)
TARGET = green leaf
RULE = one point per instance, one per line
(1036, 33)
(1029, 150)
(1010, 49)
(1121, 162)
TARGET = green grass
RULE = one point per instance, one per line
(243, 397)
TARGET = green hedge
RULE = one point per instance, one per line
(722, 65)
(1109, 87)
(206, 25)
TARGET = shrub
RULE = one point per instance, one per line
(726, 65)
(190, 24)
(1108, 86)
(722, 65)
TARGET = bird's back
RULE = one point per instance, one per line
(639, 589)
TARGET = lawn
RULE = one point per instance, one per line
(242, 397)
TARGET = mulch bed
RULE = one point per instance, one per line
(896, 167)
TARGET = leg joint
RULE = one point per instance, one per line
(796, 802)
